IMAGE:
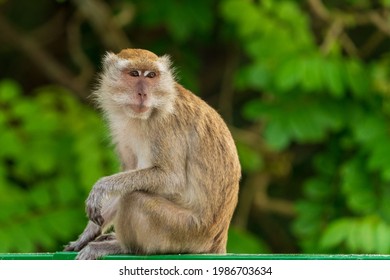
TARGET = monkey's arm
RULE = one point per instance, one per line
(153, 179)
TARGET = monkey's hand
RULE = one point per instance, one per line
(93, 205)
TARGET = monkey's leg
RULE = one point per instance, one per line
(151, 224)
(90, 233)
(92, 230)
(95, 250)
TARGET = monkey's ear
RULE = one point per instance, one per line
(109, 59)
(165, 63)
(112, 60)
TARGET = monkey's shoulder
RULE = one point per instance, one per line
(197, 117)
(195, 108)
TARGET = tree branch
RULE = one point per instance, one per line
(227, 87)
(40, 57)
(334, 31)
(340, 21)
(246, 201)
(380, 22)
(274, 205)
(76, 51)
(319, 9)
(99, 16)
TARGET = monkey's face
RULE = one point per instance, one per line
(137, 82)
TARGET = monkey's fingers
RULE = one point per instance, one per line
(69, 248)
(74, 246)
(95, 217)
(99, 220)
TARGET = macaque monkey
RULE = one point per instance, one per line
(178, 186)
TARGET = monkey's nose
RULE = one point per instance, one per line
(142, 96)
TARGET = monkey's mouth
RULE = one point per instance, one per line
(139, 108)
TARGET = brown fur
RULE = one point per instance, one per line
(179, 184)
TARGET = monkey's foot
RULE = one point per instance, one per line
(75, 246)
(105, 237)
(95, 250)
(89, 234)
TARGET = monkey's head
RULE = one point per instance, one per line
(136, 82)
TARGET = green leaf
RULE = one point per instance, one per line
(240, 241)
(354, 177)
(25, 110)
(67, 192)
(357, 78)
(312, 78)
(333, 77)
(257, 109)
(380, 158)
(245, 14)
(384, 205)
(5, 242)
(309, 218)
(368, 229)
(380, 77)
(277, 136)
(304, 125)
(335, 234)
(24, 242)
(326, 164)
(40, 236)
(9, 91)
(363, 202)
(353, 241)
(382, 236)
(386, 3)
(369, 129)
(289, 75)
(257, 76)
(327, 115)
(317, 189)
(40, 196)
(11, 145)
(44, 137)
(251, 160)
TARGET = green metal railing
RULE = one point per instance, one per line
(72, 256)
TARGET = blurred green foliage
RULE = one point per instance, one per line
(305, 89)
(331, 100)
(51, 153)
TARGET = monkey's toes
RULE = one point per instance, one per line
(69, 248)
(87, 254)
(74, 246)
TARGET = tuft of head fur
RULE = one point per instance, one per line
(134, 54)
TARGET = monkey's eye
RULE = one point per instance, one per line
(134, 73)
(151, 75)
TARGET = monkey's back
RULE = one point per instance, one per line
(213, 163)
